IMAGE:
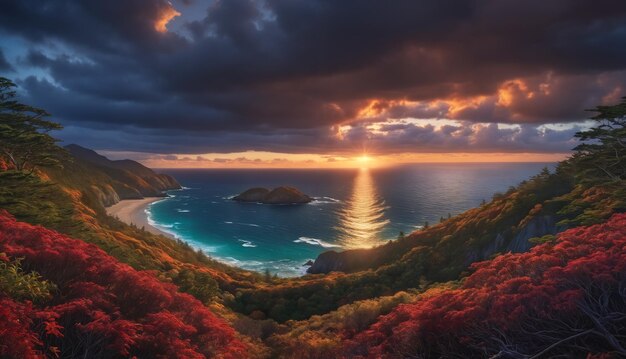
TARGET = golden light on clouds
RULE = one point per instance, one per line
(377, 107)
(459, 105)
(165, 16)
(510, 90)
(257, 159)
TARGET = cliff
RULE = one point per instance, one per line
(111, 181)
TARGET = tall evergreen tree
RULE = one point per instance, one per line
(25, 142)
(603, 151)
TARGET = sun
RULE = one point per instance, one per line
(364, 161)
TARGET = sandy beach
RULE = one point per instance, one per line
(133, 211)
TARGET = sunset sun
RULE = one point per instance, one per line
(364, 159)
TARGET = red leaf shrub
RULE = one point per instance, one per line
(567, 298)
(102, 308)
(16, 338)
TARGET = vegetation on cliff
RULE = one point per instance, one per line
(564, 298)
(98, 307)
(25, 142)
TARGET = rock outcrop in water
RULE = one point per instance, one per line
(279, 195)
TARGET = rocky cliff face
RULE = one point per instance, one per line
(111, 181)
(537, 227)
(327, 262)
(105, 194)
(517, 241)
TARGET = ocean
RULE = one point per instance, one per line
(353, 208)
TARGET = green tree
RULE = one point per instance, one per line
(601, 155)
(25, 142)
(199, 284)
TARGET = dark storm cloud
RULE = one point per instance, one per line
(277, 74)
(5, 66)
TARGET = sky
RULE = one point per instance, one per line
(317, 83)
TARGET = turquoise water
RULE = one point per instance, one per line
(353, 208)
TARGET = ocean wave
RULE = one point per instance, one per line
(243, 224)
(147, 210)
(240, 262)
(247, 244)
(282, 267)
(315, 242)
(182, 210)
(165, 228)
(325, 200)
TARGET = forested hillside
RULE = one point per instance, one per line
(66, 297)
(565, 297)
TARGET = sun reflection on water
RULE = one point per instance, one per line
(363, 217)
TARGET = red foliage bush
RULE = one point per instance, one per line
(567, 298)
(102, 308)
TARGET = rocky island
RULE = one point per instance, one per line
(279, 195)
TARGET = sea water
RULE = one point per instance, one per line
(353, 208)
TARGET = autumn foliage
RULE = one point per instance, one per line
(101, 307)
(566, 297)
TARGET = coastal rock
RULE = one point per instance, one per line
(326, 262)
(279, 195)
(256, 194)
(286, 195)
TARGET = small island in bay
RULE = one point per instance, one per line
(279, 195)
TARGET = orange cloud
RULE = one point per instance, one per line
(376, 107)
(165, 16)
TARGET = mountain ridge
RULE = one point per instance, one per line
(116, 179)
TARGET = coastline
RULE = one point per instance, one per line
(133, 211)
